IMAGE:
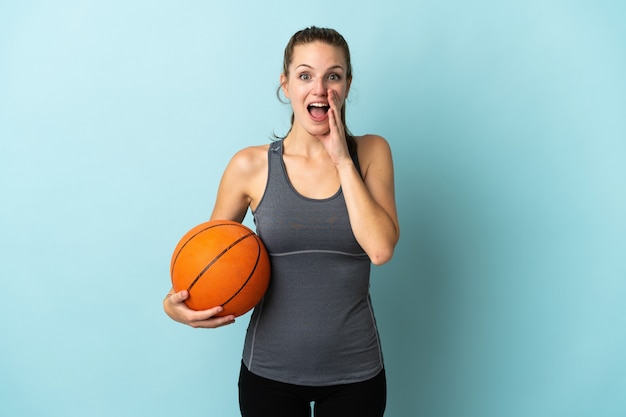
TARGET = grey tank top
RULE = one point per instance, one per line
(315, 326)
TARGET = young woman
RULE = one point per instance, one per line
(323, 203)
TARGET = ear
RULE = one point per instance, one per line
(284, 85)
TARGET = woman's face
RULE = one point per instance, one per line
(316, 70)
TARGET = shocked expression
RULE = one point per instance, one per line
(317, 78)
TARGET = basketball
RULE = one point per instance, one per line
(221, 263)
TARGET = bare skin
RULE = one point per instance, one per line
(318, 163)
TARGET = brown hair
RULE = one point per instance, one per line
(329, 37)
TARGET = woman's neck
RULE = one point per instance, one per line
(300, 142)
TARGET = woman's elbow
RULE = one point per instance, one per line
(383, 252)
(381, 257)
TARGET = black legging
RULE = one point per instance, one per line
(262, 397)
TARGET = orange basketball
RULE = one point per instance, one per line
(221, 263)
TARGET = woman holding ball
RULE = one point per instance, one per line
(324, 205)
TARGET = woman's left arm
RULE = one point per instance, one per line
(371, 199)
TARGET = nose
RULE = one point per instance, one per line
(319, 87)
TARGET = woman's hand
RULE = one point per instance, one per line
(175, 307)
(335, 140)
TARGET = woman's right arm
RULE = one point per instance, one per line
(238, 187)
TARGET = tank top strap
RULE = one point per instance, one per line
(277, 176)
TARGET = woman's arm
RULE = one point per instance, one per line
(371, 199)
(238, 188)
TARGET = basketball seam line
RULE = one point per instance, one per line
(210, 264)
(258, 256)
(189, 239)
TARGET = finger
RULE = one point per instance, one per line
(332, 102)
(179, 297)
(332, 120)
(336, 100)
(207, 314)
(335, 106)
(214, 323)
(205, 318)
(224, 321)
(335, 125)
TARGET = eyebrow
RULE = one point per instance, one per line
(334, 67)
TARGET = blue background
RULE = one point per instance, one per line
(507, 120)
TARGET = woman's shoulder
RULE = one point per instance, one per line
(371, 139)
(255, 151)
(250, 159)
(370, 145)
(374, 154)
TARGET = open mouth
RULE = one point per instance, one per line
(318, 110)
